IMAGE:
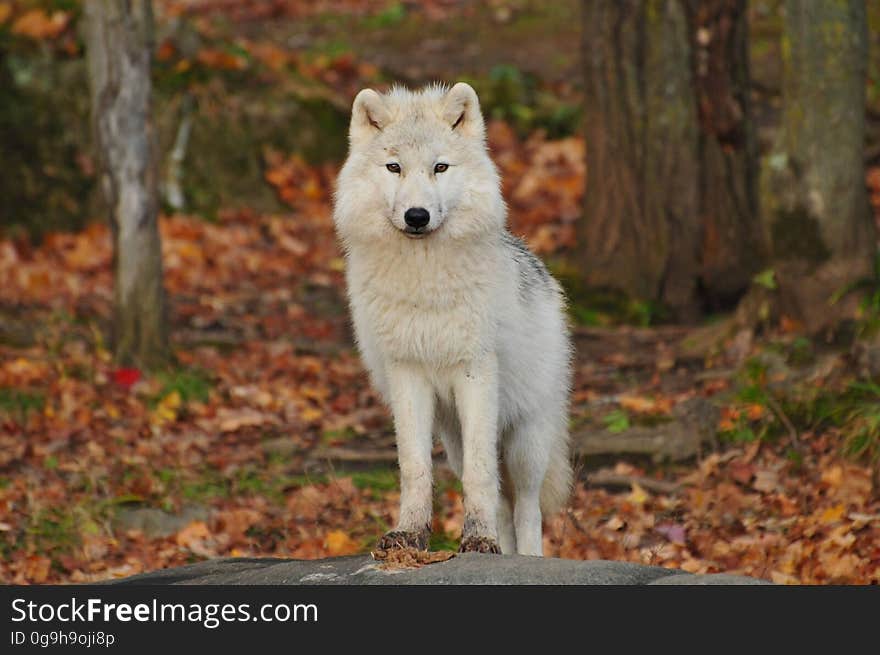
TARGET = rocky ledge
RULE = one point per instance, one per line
(465, 569)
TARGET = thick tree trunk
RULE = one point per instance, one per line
(119, 50)
(670, 202)
(813, 188)
(732, 247)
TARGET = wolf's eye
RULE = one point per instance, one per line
(394, 168)
(440, 168)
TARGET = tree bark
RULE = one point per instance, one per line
(813, 191)
(119, 50)
(732, 247)
(670, 204)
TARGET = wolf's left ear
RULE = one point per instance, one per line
(369, 115)
(461, 109)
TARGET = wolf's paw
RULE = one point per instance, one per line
(476, 544)
(399, 539)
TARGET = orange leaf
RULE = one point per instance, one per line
(196, 537)
(221, 60)
(638, 404)
(832, 514)
(338, 542)
(166, 50)
(833, 477)
(37, 24)
(790, 325)
(37, 568)
(754, 411)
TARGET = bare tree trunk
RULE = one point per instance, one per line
(670, 204)
(119, 49)
(813, 188)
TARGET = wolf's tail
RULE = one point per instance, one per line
(556, 490)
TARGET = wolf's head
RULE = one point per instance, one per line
(418, 168)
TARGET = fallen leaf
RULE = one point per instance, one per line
(833, 476)
(832, 514)
(338, 542)
(166, 410)
(196, 537)
(37, 568)
(638, 496)
(410, 558)
(645, 405)
(673, 532)
(126, 377)
(232, 420)
(766, 480)
(37, 24)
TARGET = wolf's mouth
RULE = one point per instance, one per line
(416, 232)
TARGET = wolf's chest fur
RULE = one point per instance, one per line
(432, 306)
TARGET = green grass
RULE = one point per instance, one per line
(54, 531)
(616, 421)
(443, 542)
(342, 434)
(17, 404)
(852, 410)
(191, 384)
(391, 16)
(858, 415)
(868, 287)
(377, 481)
(210, 484)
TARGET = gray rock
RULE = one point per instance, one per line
(464, 569)
(155, 522)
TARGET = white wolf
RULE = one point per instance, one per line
(461, 327)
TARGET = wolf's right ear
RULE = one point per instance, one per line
(369, 115)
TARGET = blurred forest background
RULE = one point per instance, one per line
(177, 374)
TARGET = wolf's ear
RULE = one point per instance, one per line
(461, 109)
(369, 115)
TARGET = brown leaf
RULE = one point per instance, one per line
(410, 558)
(766, 480)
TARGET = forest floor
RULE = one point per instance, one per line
(265, 438)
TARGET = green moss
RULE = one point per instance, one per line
(377, 480)
(224, 166)
(593, 306)
(796, 235)
(42, 132)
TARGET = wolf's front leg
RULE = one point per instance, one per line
(476, 399)
(412, 402)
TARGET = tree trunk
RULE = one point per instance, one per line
(119, 49)
(732, 247)
(670, 201)
(814, 198)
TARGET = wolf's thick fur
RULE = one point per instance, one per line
(461, 327)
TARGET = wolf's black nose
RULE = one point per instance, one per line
(417, 217)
